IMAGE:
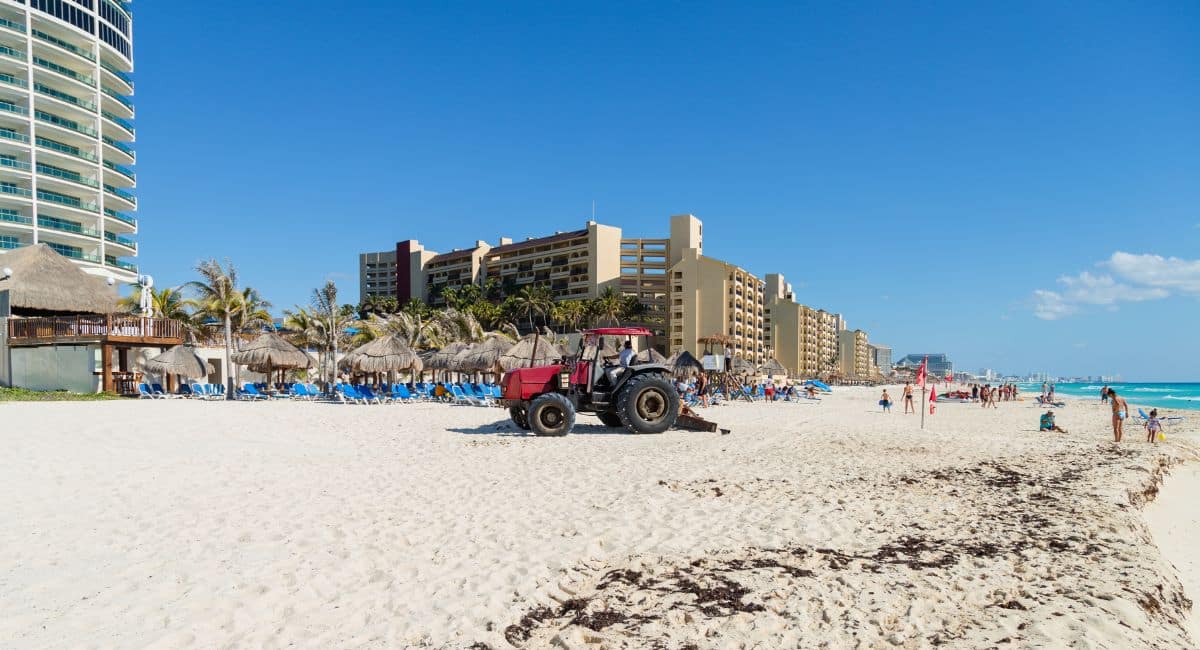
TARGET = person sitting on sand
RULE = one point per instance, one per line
(1120, 409)
(440, 391)
(1047, 423)
(886, 402)
(1153, 426)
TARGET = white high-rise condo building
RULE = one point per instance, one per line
(66, 132)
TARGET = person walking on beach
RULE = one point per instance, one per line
(1120, 410)
(992, 399)
(1043, 391)
(1104, 394)
(908, 398)
(886, 402)
(1153, 426)
(702, 389)
(974, 392)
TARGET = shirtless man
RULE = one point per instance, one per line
(908, 398)
(1120, 411)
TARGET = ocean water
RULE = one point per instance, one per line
(1173, 396)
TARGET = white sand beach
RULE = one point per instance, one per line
(173, 524)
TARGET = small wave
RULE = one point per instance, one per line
(1151, 390)
(1186, 399)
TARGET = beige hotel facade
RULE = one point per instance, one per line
(689, 295)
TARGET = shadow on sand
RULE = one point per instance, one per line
(510, 429)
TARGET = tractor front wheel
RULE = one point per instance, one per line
(551, 415)
(648, 403)
(519, 417)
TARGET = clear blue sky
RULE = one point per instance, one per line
(991, 180)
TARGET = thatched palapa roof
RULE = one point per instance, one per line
(383, 355)
(483, 356)
(43, 280)
(773, 367)
(443, 359)
(180, 360)
(684, 364)
(270, 350)
(518, 356)
(742, 367)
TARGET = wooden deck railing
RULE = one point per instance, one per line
(107, 327)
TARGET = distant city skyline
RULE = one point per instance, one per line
(956, 176)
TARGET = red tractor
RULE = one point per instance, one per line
(637, 396)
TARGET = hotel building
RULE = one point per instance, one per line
(804, 339)
(854, 355)
(66, 132)
(688, 295)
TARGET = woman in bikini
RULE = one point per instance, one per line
(1120, 410)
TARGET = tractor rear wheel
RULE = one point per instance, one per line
(551, 415)
(519, 417)
(648, 403)
(610, 419)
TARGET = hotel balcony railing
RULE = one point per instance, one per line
(13, 189)
(126, 124)
(11, 53)
(14, 164)
(62, 122)
(70, 99)
(65, 148)
(116, 191)
(16, 218)
(117, 96)
(43, 36)
(111, 326)
(50, 65)
(66, 226)
(70, 201)
(119, 216)
(67, 175)
(117, 239)
(9, 107)
(75, 254)
(6, 78)
(113, 261)
(120, 75)
(122, 147)
(124, 171)
(4, 22)
(13, 135)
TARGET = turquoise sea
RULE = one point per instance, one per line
(1163, 395)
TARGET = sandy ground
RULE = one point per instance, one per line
(1175, 524)
(211, 525)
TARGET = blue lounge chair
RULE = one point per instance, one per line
(459, 397)
(400, 393)
(347, 395)
(185, 390)
(249, 392)
(144, 392)
(370, 396)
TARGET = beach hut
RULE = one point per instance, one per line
(683, 364)
(181, 361)
(386, 354)
(538, 347)
(58, 319)
(741, 366)
(270, 352)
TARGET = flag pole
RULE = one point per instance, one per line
(922, 407)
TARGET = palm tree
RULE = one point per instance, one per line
(330, 321)
(218, 298)
(534, 299)
(608, 306)
(253, 313)
(167, 303)
(569, 313)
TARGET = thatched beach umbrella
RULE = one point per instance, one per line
(519, 355)
(387, 354)
(683, 364)
(650, 355)
(742, 367)
(181, 361)
(773, 368)
(483, 356)
(269, 352)
(44, 281)
(443, 359)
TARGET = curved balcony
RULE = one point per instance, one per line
(68, 201)
(12, 25)
(7, 134)
(120, 80)
(74, 252)
(7, 79)
(64, 123)
(70, 227)
(124, 172)
(11, 164)
(64, 72)
(12, 53)
(14, 217)
(118, 150)
(46, 144)
(14, 191)
(9, 107)
(124, 200)
(111, 260)
(66, 98)
(116, 240)
(118, 103)
(121, 218)
(66, 175)
(59, 44)
(124, 129)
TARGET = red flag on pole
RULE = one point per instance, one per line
(932, 399)
(921, 372)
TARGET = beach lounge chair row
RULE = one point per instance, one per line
(465, 393)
